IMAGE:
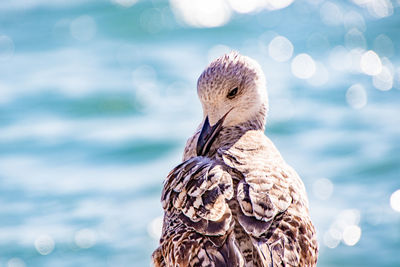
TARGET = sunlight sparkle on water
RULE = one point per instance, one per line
(383, 45)
(280, 49)
(303, 66)
(340, 58)
(355, 39)
(384, 80)
(85, 238)
(125, 3)
(202, 13)
(376, 8)
(331, 14)
(332, 238)
(278, 4)
(155, 227)
(247, 6)
(370, 63)
(44, 244)
(395, 200)
(356, 96)
(353, 19)
(323, 188)
(16, 262)
(320, 77)
(345, 228)
(380, 8)
(351, 235)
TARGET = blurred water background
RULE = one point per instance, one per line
(97, 99)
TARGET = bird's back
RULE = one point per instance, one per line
(269, 224)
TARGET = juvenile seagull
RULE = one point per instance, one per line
(234, 201)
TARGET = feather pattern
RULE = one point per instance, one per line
(240, 204)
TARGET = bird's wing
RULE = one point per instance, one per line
(264, 199)
(198, 189)
(265, 193)
(197, 219)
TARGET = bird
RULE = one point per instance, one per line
(233, 200)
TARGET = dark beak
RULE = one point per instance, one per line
(208, 135)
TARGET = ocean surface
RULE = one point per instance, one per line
(97, 99)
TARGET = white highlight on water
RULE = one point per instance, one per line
(331, 14)
(351, 235)
(370, 63)
(15, 262)
(323, 188)
(85, 238)
(321, 75)
(202, 13)
(345, 228)
(384, 80)
(340, 59)
(125, 3)
(303, 66)
(395, 200)
(383, 45)
(155, 227)
(356, 96)
(247, 6)
(280, 49)
(44, 244)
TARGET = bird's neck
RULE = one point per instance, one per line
(230, 135)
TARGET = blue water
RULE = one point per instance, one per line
(97, 100)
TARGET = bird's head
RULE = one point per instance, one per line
(232, 91)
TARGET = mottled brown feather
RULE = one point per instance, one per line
(241, 204)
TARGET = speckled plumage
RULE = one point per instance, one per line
(240, 204)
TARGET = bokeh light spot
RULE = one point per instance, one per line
(280, 49)
(155, 227)
(380, 8)
(278, 4)
(395, 200)
(317, 42)
(332, 238)
(320, 77)
(44, 244)
(202, 13)
(6, 47)
(384, 46)
(355, 39)
(349, 217)
(323, 188)
(384, 80)
(370, 63)
(351, 235)
(353, 19)
(85, 238)
(83, 28)
(356, 96)
(340, 59)
(247, 6)
(331, 14)
(125, 3)
(15, 262)
(303, 66)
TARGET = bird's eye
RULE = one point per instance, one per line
(232, 93)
